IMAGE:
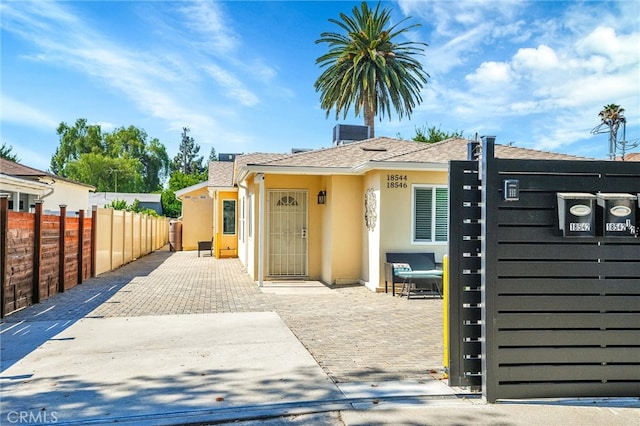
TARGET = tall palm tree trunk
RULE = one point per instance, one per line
(369, 117)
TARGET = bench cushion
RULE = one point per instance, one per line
(401, 267)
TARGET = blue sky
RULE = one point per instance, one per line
(240, 74)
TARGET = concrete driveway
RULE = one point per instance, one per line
(174, 335)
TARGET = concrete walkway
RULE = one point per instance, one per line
(173, 338)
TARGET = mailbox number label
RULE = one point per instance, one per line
(579, 227)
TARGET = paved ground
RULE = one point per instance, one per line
(353, 333)
(134, 346)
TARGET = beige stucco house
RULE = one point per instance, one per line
(24, 185)
(332, 214)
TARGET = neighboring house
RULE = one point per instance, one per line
(332, 214)
(146, 201)
(631, 156)
(25, 185)
(197, 214)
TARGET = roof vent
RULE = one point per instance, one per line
(372, 149)
(347, 133)
(299, 150)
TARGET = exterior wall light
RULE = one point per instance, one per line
(322, 197)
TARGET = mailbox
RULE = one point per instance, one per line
(577, 214)
(617, 214)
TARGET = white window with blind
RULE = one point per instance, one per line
(430, 209)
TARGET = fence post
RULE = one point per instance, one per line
(94, 233)
(80, 245)
(4, 222)
(37, 252)
(62, 247)
(445, 313)
(489, 251)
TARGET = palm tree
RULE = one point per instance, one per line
(366, 68)
(612, 116)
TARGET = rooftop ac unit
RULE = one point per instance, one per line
(227, 157)
(347, 133)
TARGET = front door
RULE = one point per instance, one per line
(287, 234)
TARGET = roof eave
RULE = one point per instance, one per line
(401, 165)
(12, 183)
(188, 189)
(355, 170)
(293, 170)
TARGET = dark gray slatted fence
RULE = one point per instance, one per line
(560, 315)
(465, 368)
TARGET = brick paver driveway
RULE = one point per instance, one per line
(354, 334)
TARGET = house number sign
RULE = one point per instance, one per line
(396, 181)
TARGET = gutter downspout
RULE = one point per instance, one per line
(259, 179)
(50, 186)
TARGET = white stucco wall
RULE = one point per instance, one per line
(75, 197)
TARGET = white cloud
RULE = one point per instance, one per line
(620, 50)
(234, 87)
(536, 60)
(491, 74)
(155, 85)
(105, 126)
(207, 19)
(14, 111)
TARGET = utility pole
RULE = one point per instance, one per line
(115, 173)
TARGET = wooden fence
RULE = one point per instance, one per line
(41, 254)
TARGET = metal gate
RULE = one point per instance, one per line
(287, 234)
(559, 315)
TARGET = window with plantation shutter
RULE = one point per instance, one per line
(442, 214)
(430, 214)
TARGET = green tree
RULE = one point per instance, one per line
(187, 160)
(178, 180)
(433, 134)
(155, 162)
(212, 157)
(117, 205)
(82, 138)
(106, 173)
(121, 161)
(5, 152)
(366, 68)
(134, 207)
(612, 116)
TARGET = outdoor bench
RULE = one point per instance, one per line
(417, 272)
(205, 246)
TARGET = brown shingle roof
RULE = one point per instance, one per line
(396, 150)
(20, 170)
(255, 158)
(11, 168)
(456, 149)
(259, 158)
(221, 173)
(349, 155)
(632, 156)
(381, 150)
